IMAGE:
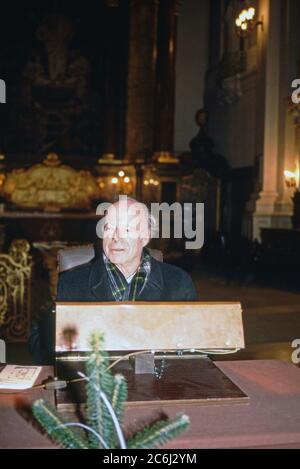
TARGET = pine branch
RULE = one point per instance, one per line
(159, 433)
(51, 421)
(119, 396)
(98, 416)
(104, 392)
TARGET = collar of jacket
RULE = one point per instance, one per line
(99, 283)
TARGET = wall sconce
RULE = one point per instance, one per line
(122, 182)
(121, 178)
(245, 22)
(151, 182)
(291, 179)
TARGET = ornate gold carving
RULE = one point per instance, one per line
(50, 186)
(165, 157)
(15, 291)
(50, 252)
(2, 179)
(107, 158)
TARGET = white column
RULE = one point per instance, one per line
(288, 160)
(267, 113)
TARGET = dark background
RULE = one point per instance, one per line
(45, 112)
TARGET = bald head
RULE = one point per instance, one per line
(126, 231)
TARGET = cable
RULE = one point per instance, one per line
(218, 351)
(129, 355)
(203, 352)
(51, 385)
(110, 410)
(85, 427)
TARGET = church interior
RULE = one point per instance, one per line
(164, 101)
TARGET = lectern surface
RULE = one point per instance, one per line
(184, 380)
(270, 420)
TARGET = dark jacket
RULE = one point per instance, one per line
(89, 282)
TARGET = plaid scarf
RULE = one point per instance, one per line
(121, 290)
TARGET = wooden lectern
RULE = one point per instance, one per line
(175, 336)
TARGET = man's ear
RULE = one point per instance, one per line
(145, 241)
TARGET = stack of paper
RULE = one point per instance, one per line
(18, 376)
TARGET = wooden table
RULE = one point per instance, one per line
(271, 419)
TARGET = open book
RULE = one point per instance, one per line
(18, 376)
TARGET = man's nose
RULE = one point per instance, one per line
(116, 234)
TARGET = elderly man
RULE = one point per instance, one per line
(124, 271)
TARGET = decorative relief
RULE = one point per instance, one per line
(54, 104)
(194, 187)
(231, 90)
(50, 186)
(15, 291)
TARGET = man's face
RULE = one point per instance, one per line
(126, 232)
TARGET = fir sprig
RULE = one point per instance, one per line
(159, 433)
(101, 430)
(54, 425)
(97, 414)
